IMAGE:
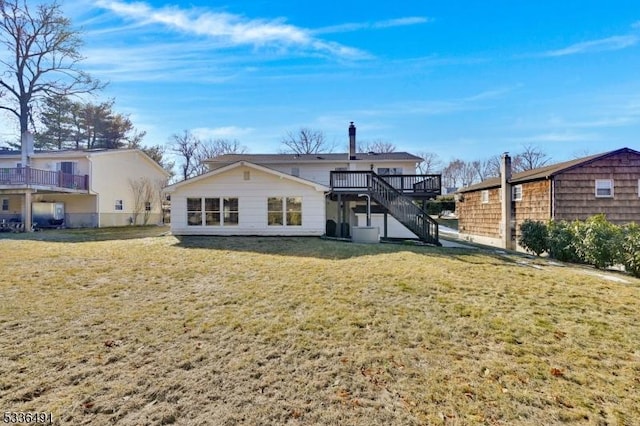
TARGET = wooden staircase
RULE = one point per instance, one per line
(403, 209)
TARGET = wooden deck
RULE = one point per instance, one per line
(28, 177)
(414, 186)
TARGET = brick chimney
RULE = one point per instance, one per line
(352, 142)
(505, 187)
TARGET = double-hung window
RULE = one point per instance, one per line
(484, 196)
(516, 192)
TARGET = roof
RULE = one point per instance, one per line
(313, 158)
(545, 172)
(317, 186)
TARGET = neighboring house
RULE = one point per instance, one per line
(94, 188)
(310, 194)
(605, 183)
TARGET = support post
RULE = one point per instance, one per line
(27, 219)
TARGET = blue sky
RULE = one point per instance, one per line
(457, 78)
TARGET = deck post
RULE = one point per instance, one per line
(339, 215)
(26, 216)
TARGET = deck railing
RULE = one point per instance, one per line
(416, 185)
(28, 176)
(395, 192)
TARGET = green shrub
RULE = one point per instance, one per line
(598, 242)
(631, 249)
(560, 241)
(534, 236)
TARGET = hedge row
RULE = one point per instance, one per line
(594, 241)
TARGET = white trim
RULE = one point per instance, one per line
(516, 193)
(484, 196)
(604, 184)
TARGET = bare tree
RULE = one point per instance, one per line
(430, 164)
(186, 146)
(378, 146)
(531, 158)
(41, 60)
(452, 173)
(214, 148)
(306, 141)
(485, 169)
(144, 193)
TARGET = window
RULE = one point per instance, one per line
(294, 211)
(247, 175)
(295, 171)
(5, 204)
(484, 196)
(147, 206)
(604, 188)
(68, 167)
(212, 211)
(284, 211)
(516, 192)
(194, 211)
(230, 211)
(389, 171)
(119, 205)
(274, 211)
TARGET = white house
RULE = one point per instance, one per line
(95, 188)
(310, 194)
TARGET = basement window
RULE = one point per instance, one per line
(484, 196)
(516, 192)
(604, 188)
(5, 204)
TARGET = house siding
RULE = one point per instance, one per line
(252, 197)
(575, 190)
(478, 218)
(535, 204)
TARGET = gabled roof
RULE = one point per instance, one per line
(316, 186)
(545, 172)
(312, 158)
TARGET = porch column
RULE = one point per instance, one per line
(26, 212)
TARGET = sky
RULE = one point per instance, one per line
(461, 79)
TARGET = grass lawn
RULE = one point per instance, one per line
(137, 327)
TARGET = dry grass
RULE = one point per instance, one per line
(108, 327)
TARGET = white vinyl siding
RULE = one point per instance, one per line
(252, 204)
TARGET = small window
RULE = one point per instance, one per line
(5, 204)
(516, 192)
(604, 188)
(484, 196)
(147, 206)
(247, 175)
(119, 205)
(295, 171)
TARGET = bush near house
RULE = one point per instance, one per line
(594, 241)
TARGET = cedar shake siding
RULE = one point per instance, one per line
(478, 218)
(563, 191)
(535, 204)
(575, 190)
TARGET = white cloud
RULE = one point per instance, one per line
(357, 26)
(228, 132)
(601, 45)
(229, 29)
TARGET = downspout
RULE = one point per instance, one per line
(505, 185)
(91, 191)
(552, 198)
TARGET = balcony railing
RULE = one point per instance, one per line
(411, 185)
(28, 176)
